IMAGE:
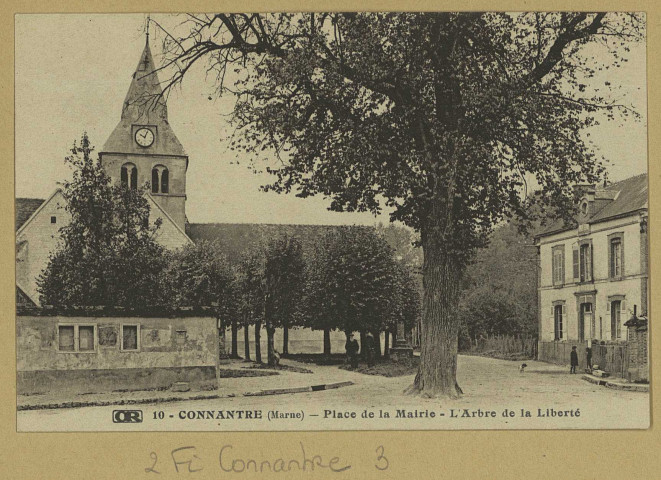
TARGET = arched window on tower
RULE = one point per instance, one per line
(160, 179)
(129, 176)
(165, 179)
(154, 180)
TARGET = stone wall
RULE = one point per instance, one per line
(169, 346)
(638, 370)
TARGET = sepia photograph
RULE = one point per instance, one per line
(331, 221)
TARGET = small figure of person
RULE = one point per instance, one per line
(352, 350)
(369, 349)
(574, 360)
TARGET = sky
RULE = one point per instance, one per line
(72, 73)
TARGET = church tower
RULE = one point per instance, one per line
(143, 147)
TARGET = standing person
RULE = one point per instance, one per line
(369, 349)
(588, 353)
(351, 348)
(574, 360)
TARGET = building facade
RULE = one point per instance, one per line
(593, 275)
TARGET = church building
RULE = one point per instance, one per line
(142, 148)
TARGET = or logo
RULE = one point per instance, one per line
(127, 416)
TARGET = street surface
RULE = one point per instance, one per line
(496, 396)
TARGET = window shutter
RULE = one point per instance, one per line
(575, 261)
(555, 327)
(608, 306)
(588, 262)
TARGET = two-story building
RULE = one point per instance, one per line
(594, 274)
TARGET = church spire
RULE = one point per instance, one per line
(144, 106)
(144, 101)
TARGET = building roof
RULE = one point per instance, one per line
(235, 238)
(625, 197)
(24, 208)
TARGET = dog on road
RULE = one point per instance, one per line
(522, 367)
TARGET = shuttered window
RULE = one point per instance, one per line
(585, 262)
(616, 255)
(558, 265)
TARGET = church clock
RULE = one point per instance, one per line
(144, 137)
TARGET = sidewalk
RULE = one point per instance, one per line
(616, 383)
(291, 382)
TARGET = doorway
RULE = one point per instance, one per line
(585, 322)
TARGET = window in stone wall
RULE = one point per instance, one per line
(85, 338)
(129, 176)
(160, 179)
(181, 337)
(66, 336)
(558, 320)
(615, 256)
(76, 338)
(558, 261)
(130, 337)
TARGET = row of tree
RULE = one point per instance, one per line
(349, 280)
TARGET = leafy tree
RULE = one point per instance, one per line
(284, 270)
(270, 281)
(406, 303)
(198, 275)
(351, 283)
(107, 254)
(404, 242)
(440, 117)
(500, 287)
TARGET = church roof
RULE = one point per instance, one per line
(144, 105)
(627, 196)
(235, 238)
(24, 208)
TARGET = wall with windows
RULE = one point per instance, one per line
(148, 168)
(591, 277)
(52, 343)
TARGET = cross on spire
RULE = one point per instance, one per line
(147, 27)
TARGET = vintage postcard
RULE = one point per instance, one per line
(331, 221)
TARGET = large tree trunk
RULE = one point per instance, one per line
(327, 342)
(235, 347)
(246, 338)
(437, 374)
(258, 337)
(285, 339)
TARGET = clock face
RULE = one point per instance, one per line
(144, 137)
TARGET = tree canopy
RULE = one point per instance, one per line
(107, 253)
(440, 117)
